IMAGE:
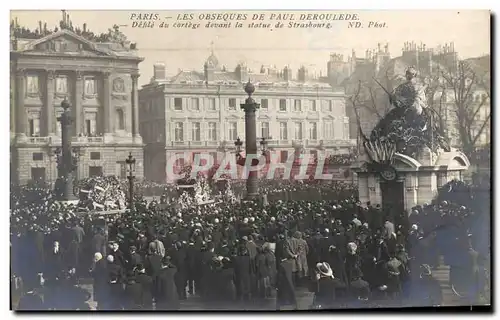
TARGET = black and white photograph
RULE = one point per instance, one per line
(250, 160)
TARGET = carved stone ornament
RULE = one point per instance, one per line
(119, 85)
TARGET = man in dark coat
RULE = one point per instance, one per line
(243, 276)
(100, 276)
(117, 254)
(193, 261)
(53, 273)
(134, 258)
(99, 242)
(132, 293)
(285, 287)
(146, 283)
(165, 290)
(425, 290)
(152, 262)
(179, 260)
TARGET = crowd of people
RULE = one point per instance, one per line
(241, 254)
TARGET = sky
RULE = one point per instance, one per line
(187, 49)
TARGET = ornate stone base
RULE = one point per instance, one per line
(419, 178)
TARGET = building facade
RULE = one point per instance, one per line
(98, 76)
(195, 112)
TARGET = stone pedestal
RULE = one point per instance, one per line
(420, 177)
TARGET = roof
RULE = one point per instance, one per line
(231, 77)
(90, 47)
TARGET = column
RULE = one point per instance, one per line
(12, 105)
(21, 115)
(50, 116)
(108, 125)
(78, 109)
(135, 108)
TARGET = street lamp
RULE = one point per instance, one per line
(263, 146)
(238, 143)
(130, 161)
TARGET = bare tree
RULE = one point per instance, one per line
(463, 84)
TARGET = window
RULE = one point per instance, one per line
(32, 84)
(195, 103)
(233, 131)
(62, 84)
(313, 130)
(211, 104)
(178, 104)
(346, 130)
(95, 156)
(264, 130)
(196, 129)
(232, 104)
(283, 131)
(90, 123)
(38, 175)
(282, 104)
(330, 106)
(120, 120)
(37, 156)
(179, 131)
(328, 129)
(283, 156)
(264, 103)
(95, 171)
(298, 130)
(297, 106)
(34, 124)
(90, 86)
(314, 154)
(212, 131)
(312, 105)
(123, 169)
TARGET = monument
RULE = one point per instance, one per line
(406, 157)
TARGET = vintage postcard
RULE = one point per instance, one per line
(250, 160)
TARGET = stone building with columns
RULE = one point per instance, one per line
(98, 76)
(199, 111)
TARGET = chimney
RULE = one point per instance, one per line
(241, 72)
(159, 71)
(209, 70)
(302, 74)
(287, 74)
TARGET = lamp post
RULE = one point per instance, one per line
(250, 106)
(130, 161)
(67, 157)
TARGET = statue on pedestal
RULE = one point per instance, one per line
(409, 125)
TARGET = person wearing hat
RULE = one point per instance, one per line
(117, 254)
(325, 286)
(166, 292)
(134, 258)
(284, 284)
(100, 276)
(425, 289)
(243, 273)
(179, 258)
(146, 283)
